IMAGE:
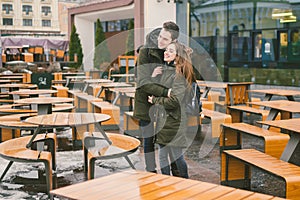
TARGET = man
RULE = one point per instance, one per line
(150, 57)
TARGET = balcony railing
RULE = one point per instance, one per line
(27, 14)
(46, 15)
(6, 13)
(46, 1)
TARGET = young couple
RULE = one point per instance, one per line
(164, 74)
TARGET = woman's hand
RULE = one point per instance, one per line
(150, 99)
(157, 71)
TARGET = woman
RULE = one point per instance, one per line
(171, 123)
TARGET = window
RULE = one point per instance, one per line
(46, 23)
(27, 22)
(27, 9)
(117, 25)
(46, 10)
(7, 21)
(7, 8)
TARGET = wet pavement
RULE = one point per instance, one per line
(26, 181)
(203, 159)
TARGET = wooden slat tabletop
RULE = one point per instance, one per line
(280, 92)
(287, 124)
(283, 105)
(145, 185)
(33, 92)
(67, 119)
(18, 85)
(44, 100)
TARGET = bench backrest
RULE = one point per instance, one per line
(237, 93)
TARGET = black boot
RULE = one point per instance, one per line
(174, 169)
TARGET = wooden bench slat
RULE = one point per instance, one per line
(121, 145)
(15, 150)
(290, 173)
(217, 118)
(274, 142)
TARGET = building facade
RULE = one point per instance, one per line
(250, 40)
(147, 15)
(26, 17)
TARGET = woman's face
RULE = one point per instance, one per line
(170, 53)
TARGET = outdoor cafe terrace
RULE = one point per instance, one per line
(51, 142)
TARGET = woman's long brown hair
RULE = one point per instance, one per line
(183, 62)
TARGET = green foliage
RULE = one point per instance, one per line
(102, 53)
(130, 39)
(75, 48)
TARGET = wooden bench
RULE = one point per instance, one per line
(19, 108)
(209, 105)
(62, 91)
(12, 126)
(73, 93)
(107, 108)
(235, 94)
(15, 150)
(217, 118)
(82, 101)
(58, 82)
(97, 148)
(6, 101)
(274, 142)
(213, 96)
(131, 125)
(238, 165)
(236, 112)
(14, 109)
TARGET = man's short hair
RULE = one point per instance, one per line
(172, 28)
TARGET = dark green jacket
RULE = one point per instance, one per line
(171, 125)
(148, 59)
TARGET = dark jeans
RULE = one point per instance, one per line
(176, 157)
(147, 129)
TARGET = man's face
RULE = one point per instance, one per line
(164, 39)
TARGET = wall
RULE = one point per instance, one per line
(85, 29)
(156, 13)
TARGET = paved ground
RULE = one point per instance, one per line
(203, 158)
(203, 164)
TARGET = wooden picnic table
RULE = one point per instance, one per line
(125, 92)
(285, 107)
(77, 78)
(31, 93)
(208, 85)
(146, 185)
(44, 104)
(11, 77)
(16, 86)
(69, 73)
(126, 76)
(94, 81)
(62, 120)
(290, 153)
(5, 81)
(121, 92)
(13, 74)
(104, 86)
(269, 93)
